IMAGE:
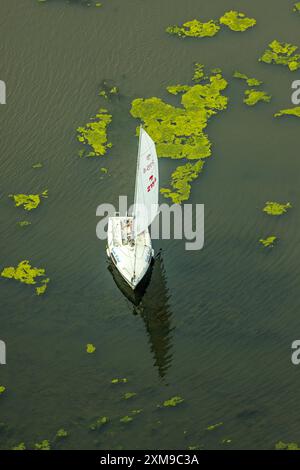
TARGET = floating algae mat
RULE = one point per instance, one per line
(28, 201)
(234, 20)
(289, 112)
(195, 29)
(252, 97)
(249, 81)
(296, 7)
(281, 53)
(179, 131)
(276, 208)
(26, 274)
(237, 21)
(268, 242)
(94, 134)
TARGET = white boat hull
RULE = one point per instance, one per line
(132, 258)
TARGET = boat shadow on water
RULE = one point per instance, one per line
(150, 301)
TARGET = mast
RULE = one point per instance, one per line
(135, 198)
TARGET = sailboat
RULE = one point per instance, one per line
(128, 240)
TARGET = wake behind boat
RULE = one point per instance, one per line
(128, 239)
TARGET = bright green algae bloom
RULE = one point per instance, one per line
(2, 389)
(268, 242)
(29, 201)
(174, 401)
(90, 348)
(286, 446)
(129, 395)
(297, 7)
(99, 423)
(289, 112)
(95, 134)
(250, 81)
(212, 427)
(126, 419)
(61, 434)
(276, 208)
(281, 53)
(43, 445)
(123, 380)
(195, 29)
(179, 131)
(26, 274)
(20, 446)
(237, 21)
(252, 97)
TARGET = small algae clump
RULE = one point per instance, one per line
(37, 165)
(195, 29)
(286, 446)
(252, 97)
(99, 423)
(95, 134)
(178, 132)
(212, 427)
(61, 434)
(20, 446)
(276, 208)
(126, 419)
(237, 21)
(129, 395)
(249, 81)
(119, 381)
(268, 242)
(174, 401)
(108, 90)
(26, 274)
(23, 223)
(199, 73)
(28, 201)
(296, 7)
(289, 112)
(2, 389)
(281, 53)
(40, 290)
(90, 348)
(43, 445)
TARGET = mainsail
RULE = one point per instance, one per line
(146, 185)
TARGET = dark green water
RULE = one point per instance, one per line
(216, 325)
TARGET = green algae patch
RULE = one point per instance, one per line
(179, 131)
(61, 434)
(199, 73)
(296, 7)
(172, 402)
(108, 90)
(123, 380)
(99, 423)
(2, 389)
(268, 242)
(28, 201)
(286, 446)
(212, 427)
(129, 395)
(90, 348)
(180, 181)
(94, 134)
(23, 223)
(237, 21)
(195, 29)
(252, 97)
(43, 445)
(26, 274)
(289, 112)
(20, 446)
(276, 208)
(249, 81)
(37, 165)
(281, 53)
(126, 419)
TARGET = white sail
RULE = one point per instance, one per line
(146, 185)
